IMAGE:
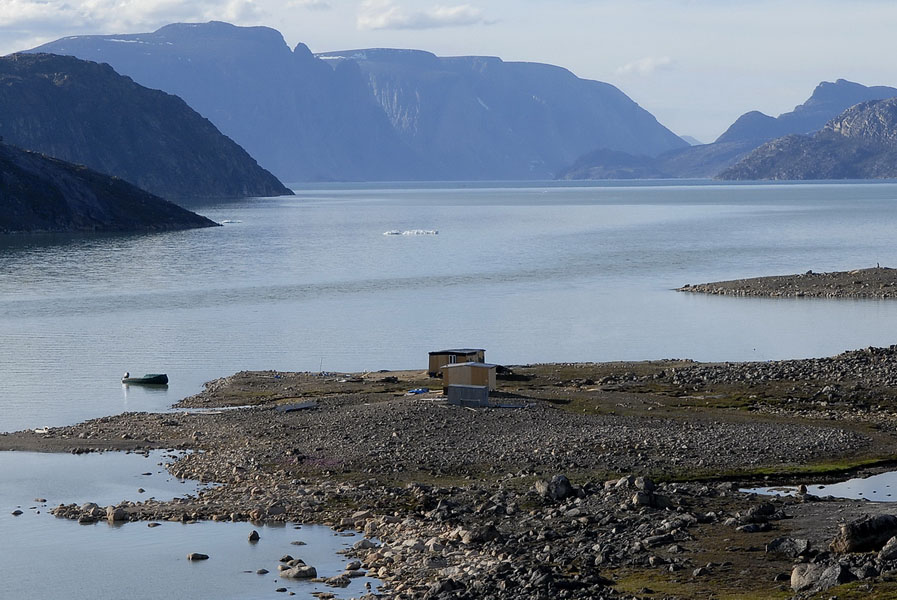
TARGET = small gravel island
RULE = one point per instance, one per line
(875, 283)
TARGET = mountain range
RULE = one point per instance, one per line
(379, 114)
(43, 194)
(748, 132)
(86, 113)
(860, 143)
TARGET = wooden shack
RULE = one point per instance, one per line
(440, 358)
(470, 373)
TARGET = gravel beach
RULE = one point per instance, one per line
(874, 283)
(604, 480)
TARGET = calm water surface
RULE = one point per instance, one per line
(532, 274)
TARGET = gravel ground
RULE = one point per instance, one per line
(471, 503)
(877, 282)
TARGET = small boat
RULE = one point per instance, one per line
(148, 379)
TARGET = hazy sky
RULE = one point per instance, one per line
(695, 64)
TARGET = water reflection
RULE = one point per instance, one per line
(877, 488)
(97, 561)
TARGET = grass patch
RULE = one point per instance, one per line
(776, 474)
(860, 590)
(681, 584)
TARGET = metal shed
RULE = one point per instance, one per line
(471, 373)
(476, 396)
(440, 358)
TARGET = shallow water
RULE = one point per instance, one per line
(46, 557)
(876, 488)
(532, 273)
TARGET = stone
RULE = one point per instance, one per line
(559, 488)
(818, 577)
(644, 484)
(889, 551)
(16, 513)
(788, 547)
(114, 513)
(197, 556)
(865, 535)
(365, 544)
(299, 572)
(254, 536)
(262, 572)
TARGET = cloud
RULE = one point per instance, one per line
(647, 65)
(310, 4)
(386, 14)
(23, 21)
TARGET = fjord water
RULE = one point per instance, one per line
(531, 273)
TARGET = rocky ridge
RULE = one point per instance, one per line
(861, 143)
(86, 113)
(41, 194)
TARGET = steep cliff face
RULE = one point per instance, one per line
(86, 113)
(296, 115)
(860, 143)
(379, 114)
(480, 117)
(42, 194)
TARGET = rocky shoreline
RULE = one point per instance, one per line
(612, 480)
(875, 283)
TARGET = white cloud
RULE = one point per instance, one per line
(310, 4)
(386, 14)
(101, 15)
(646, 66)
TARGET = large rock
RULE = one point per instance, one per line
(889, 551)
(116, 513)
(817, 577)
(788, 547)
(865, 535)
(559, 488)
(300, 572)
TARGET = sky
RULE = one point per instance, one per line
(695, 64)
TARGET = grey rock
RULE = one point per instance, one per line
(819, 576)
(865, 535)
(787, 546)
(889, 551)
(197, 556)
(299, 572)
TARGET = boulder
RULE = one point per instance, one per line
(559, 488)
(788, 547)
(889, 551)
(818, 577)
(254, 536)
(115, 513)
(867, 534)
(197, 556)
(300, 572)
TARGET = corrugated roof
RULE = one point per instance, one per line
(469, 364)
(458, 351)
